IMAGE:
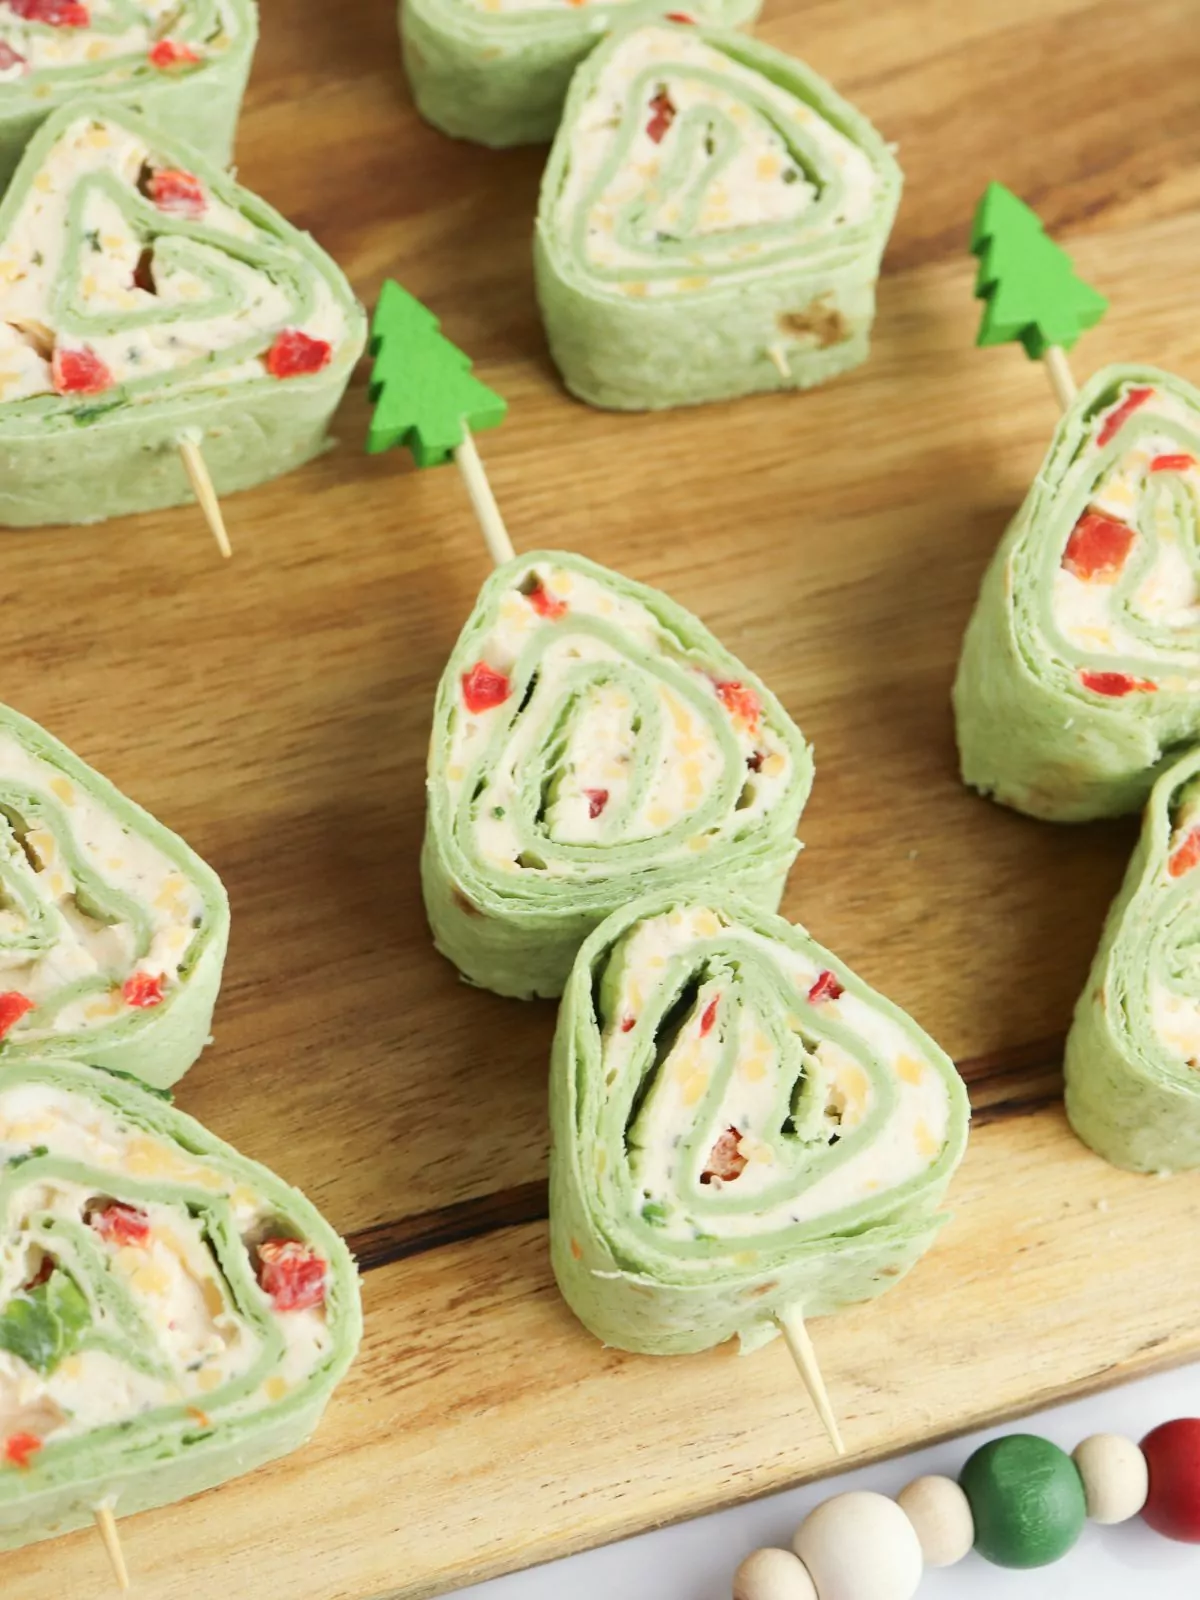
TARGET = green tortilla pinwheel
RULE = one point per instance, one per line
(592, 741)
(1080, 671)
(182, 66)
(112, 932)
(145, 301)
(743, 1132)
(1133, 1053)
(710, 224)
(171, 1314)
(497, 71)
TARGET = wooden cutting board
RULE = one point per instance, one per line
(275, 711)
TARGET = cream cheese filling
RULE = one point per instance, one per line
(716, 186)
(603, 742)
(84, 946)
(118, 36)
(910, 1142)
(200, 1342)
(205, 299)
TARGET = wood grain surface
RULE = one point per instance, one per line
(275, 711)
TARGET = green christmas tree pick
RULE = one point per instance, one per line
(422, 389)
(1029, 288)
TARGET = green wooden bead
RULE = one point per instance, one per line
(1027, 1499)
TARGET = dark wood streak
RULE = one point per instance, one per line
(1004, 1085)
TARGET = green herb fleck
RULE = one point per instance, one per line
(93, 238)
(497, 812)
(655, 1213)
(34, 1154)
(85, 414)
(146, 1088)
(45, 1325)
(791, 175)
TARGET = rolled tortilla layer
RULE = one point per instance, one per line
(183, 66)
(1080, 670)
(498, 71)
(710, 224)
(1133, 1053)
(146, 299)
(741, 1129)
(593, 741)
(112, 931)
(171, 1314)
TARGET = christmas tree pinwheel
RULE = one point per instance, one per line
(710, 224)
(1133, 1053)
(162, 330)
(112, 931)
(743, 1133)
(1080, 669)
(182, 66)
(171, 1314)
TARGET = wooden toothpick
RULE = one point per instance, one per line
(107, 1525)
(1062, 380)
(795, 1333)
(206, 495)
(491, 523)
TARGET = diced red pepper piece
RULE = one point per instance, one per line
(295, 355)
(725, 1160)
(1119, 415)
(826, 988)
(178, 193)
(79, 372)
(292, 1274)
(121, 1224)
(1186, 856)
(628, 1024)
(740, 701)
(680, 16)
(143, 990)
(755, 761)
(546, 604)
(484, 688)
(1098, 547)
(54, 13)
(1115, 684)
(597, 800)
(13, 1006)
(662, 115)
(710, 1015)
(1177, 463)
(19, 1448)
(166, 54)
(9, 57)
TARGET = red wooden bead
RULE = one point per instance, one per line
(1172, 1453)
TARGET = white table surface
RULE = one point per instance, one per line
(696, 1560)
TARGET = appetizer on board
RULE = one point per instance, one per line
(146, 299)
(497, 71)
(1133, 1052)
(112, 931)
(182, 64)
(592, 741)
(742, 1130)
(710, 224)
(171, 1314)
(1080, 670)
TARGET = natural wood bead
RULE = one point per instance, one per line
(1115, 1477)
(860, 1546)
(772, 1575)
(941, 1514)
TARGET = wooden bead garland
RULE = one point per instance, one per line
(941, 1514)
(772, 1575)
(1020, 1502)
(1115, 1477)
(860, 1546)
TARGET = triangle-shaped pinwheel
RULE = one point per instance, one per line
(146, 298)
